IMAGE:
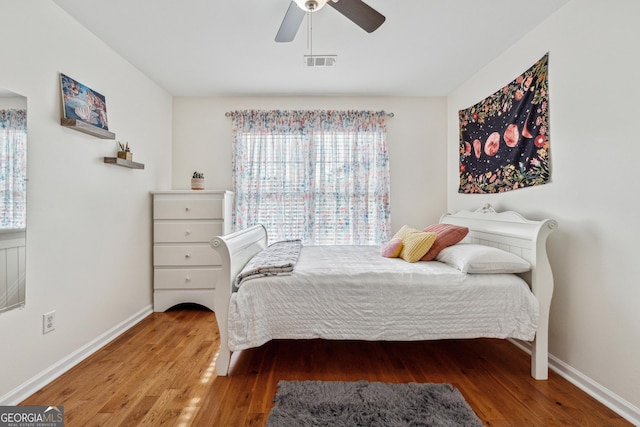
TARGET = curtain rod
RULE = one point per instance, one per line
(230, 113)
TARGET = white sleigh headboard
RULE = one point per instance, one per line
(512, 232)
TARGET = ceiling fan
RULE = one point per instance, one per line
(357, 11)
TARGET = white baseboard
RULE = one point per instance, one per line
(602, 394)
(20, 393)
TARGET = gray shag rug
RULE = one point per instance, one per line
(363, 403)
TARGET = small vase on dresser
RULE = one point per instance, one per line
(185, 267)
(197, 181)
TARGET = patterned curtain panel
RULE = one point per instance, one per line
(504, 139)
(318, 176)
(13, 169)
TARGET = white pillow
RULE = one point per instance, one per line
(474, 258)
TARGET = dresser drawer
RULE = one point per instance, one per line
(188, 208)
(202, 231)
(184, 278)
(179, 255)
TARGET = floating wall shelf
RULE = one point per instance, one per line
(124, 163)
(81, 126)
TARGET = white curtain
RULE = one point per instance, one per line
(319, 176)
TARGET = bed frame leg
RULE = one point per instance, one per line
(540, 354)
(223, 360)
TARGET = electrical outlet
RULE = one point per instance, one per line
(48, 322)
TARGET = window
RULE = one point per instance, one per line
(320, 176)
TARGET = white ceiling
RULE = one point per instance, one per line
(227, 47)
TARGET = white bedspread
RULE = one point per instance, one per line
(352, 292)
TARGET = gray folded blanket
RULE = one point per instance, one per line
(278, 259)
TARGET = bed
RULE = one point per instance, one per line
(364, 296)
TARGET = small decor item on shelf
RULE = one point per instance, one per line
(197, 181)
(124, 152)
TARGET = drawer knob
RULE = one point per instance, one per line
(187, 232)
(187, 209)
(187, 279)
(187, 256)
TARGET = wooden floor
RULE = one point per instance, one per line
(162, 372)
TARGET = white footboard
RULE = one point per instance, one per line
(235, 250)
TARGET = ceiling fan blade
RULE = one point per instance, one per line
(290, 24)
(359, 12)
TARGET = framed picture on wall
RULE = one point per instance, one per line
(82, 103)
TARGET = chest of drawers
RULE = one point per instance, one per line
(185, 267)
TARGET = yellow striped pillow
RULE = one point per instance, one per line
(403, 231)
(415, 244)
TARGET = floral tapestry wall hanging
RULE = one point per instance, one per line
(504, 139)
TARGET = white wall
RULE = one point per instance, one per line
(416, 138)
(12, 101)
(89, 224)
(593, 90)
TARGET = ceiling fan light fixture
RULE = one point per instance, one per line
(311, 5)
(356, 11)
